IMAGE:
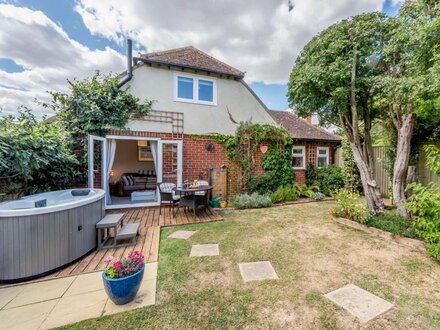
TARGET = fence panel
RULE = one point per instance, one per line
(381, 174)
(426, 176)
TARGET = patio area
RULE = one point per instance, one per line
(148, 241)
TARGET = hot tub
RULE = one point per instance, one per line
(42, 233)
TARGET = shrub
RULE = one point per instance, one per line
(305, 191)
(352, 177)
(393, 224)
(310, 174)
(263, 184)
(318, 196)
(424, 203)
(35, 155)
(329, 179)
(244, 201)
(282, 194)
(279, 162)
(349, 206)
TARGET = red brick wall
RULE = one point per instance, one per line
(300, 175)
(197, 159)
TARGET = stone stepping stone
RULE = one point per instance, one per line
(257, 271)
(359, 302)
(204, 250)
(182, 234)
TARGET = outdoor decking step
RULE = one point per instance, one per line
(127, 231)
(110, 220)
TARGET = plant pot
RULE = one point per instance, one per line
(123, 290)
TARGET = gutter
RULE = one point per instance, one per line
(129, 65)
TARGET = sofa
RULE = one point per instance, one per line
(130, 182)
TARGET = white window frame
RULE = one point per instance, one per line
(195, 98)
(327, 156)
(302, 154)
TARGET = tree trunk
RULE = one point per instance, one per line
(404, 134)
(373, 198)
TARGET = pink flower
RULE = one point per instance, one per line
(128, 269)
(108, 260)
(118, 265)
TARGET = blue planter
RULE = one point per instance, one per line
(123, 290)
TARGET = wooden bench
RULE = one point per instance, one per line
(126, 232)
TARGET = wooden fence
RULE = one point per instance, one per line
(381, 174)
(424, 175)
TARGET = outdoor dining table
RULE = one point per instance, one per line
(189, 198)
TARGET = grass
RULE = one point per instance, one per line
(311, 254)
(394, 224)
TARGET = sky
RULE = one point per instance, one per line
(45, 42)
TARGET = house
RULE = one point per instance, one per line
(194, 96)
(312, 144)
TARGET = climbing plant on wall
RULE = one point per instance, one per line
(243, 145)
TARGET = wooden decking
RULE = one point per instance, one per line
(148, 241)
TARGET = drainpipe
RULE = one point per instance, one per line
(129, 65)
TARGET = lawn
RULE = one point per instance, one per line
(311, 254)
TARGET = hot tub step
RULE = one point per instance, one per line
(127, 231)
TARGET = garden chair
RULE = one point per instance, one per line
(167, 195)
(202, 195)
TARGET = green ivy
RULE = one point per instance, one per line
(242, 147)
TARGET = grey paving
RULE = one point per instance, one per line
(257, 271)
(182, 234)
(203, 250)
(359, 302)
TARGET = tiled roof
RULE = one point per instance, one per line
(301, 129)
(193, 58)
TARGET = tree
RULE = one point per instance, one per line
(94, 106)
(35, 155)
(410, 84)
(334, 76)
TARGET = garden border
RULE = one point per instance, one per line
(410, 242)
(298, 201)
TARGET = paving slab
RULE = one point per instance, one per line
(150, 271)
(85, 283)
(359, 302)
(202, 250)
(41, 291)
(146, 296)
(182, 234)
(7, 294)
(26, 317)
(257, 271)
(76, 308)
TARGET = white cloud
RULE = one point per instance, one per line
(260, 37)
(48, 56)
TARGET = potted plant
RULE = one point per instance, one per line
(122, 278)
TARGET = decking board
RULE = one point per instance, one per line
(148, 240)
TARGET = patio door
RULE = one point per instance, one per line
(97, 167)
(170, 161)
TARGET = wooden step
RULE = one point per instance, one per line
(127, 231)
(110, 220)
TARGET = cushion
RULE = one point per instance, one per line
(125, 180)
(140, 179)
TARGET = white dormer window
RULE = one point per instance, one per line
(322, 157)
(189, 88)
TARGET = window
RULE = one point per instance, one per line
(195, 90)
(322, 157)
(298, 157)
(206, 90)
(185, 88)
